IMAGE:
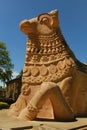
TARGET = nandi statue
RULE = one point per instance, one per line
(54, 81)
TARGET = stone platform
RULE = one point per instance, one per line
(11, 123)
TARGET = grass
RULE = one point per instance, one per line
(4, 105)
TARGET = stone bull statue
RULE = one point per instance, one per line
(54, 81)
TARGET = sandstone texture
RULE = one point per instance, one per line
(54, 81)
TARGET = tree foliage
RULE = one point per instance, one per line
(5, 63)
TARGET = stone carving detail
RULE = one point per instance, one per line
(52, 75)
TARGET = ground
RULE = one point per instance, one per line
(12, 123)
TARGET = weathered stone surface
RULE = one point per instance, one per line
(12, 123)
(54, 82)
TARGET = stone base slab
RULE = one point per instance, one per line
(12, 123)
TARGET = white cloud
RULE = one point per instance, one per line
(15, 74)
(1, 83)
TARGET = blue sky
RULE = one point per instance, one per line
(72, 18)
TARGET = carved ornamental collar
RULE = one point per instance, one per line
(45, 49)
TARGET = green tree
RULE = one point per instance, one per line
(5, 64)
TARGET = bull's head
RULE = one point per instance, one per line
(46, 23)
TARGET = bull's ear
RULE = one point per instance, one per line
(54, 14)
(25, 26)
(45, 19)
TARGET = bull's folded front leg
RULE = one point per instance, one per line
(60, 107)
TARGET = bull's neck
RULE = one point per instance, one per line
(41, 46)
(46, 44)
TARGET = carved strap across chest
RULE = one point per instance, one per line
(51, 72)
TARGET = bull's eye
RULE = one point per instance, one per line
(44, 20)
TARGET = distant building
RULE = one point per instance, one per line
(13, 88)
(2, 93)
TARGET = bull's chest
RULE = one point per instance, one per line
(47, 69)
